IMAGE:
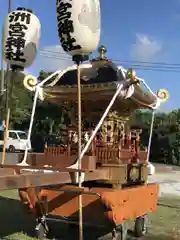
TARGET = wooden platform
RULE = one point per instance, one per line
(10, 177)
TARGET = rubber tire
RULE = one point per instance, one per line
(140, 228)
(11, 149)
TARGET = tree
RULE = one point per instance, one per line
(20, 100)
(166, 134)
(43, 75)
(51, 117)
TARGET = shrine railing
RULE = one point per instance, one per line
(56, 151)
(104, 154)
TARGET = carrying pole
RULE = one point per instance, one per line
(8, 69)
(10, 77)
(3, 88)
(79, 148)
(5, 136)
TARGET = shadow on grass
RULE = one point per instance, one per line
(13, 218)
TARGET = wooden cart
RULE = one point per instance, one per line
(111, 193)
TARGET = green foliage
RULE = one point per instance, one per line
(43, 75)
(166, 135)
(49, 117)
(19, 100)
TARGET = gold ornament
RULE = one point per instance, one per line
(163, 95)
(131, 74)
(134, 174)
(30, 82)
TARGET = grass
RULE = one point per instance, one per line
(16, 225)
(165, 222)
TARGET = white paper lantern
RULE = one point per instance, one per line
(21, 38)
(78, 25)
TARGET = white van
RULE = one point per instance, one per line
(16, 141)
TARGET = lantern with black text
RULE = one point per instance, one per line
(78, 25)
(21, 37)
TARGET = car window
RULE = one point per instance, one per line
(13, 135)
(22, 135)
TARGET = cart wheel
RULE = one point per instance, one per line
(42, 230)
(140, 228)
(119, 232)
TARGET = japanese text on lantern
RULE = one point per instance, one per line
(15, 43)
(65, 25)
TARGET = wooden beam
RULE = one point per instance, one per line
(25, 180)
(32, 180)
(42, 168)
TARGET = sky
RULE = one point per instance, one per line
(140, 31)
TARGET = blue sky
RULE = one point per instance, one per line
(131, 30)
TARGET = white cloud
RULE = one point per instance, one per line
(51, 58)
(145, 48)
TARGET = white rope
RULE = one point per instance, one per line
(60, 74)
(152, 106)
(48, 78)
(100, 122)
(150, 135)
(30, 126)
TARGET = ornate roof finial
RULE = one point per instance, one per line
(102, 51)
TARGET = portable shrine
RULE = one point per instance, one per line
(116, 184)
(99, 177)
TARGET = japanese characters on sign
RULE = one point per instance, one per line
(18, 25)
(66, 26)
(21, 36)
(78, 25)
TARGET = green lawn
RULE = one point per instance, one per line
(13, 221)
(15, 224)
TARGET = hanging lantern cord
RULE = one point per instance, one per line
(150, 135)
